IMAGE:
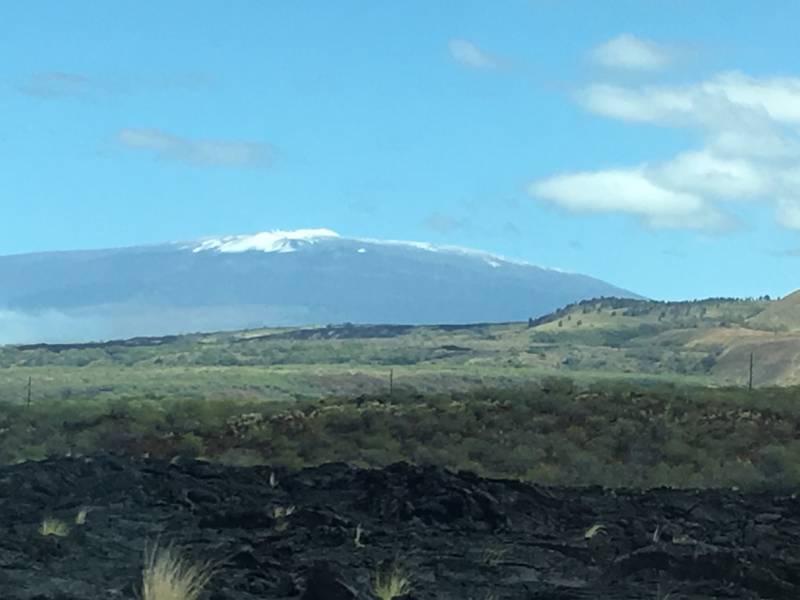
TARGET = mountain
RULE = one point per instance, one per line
(271, 278)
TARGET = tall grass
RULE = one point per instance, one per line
(167, 575)
(390, 584)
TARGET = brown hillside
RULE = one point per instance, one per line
(776, 360)
(783, 315)
(776, 355)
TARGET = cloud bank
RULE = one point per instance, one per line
(122, 321)
(750, 152)
(201, 152)
(630, 191)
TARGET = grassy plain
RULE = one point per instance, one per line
(643, 342)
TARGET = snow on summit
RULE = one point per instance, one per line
(281, 241)
(266, 241)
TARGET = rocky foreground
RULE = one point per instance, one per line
(323, 533)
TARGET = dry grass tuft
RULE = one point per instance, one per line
(80, 518)
(391, 584)
(593, 531)
(51, 526)
(169, 576)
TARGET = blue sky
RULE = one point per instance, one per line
(651, 144)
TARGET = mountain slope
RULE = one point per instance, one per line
(713, 338)
(274, 278)
(783, 315)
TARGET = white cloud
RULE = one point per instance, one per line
(788, 213)
(647, 105)
(629, 52)
(750, 129)
(723, 98)
(628, 191)
(778, 96)
(755, 142)
(203, 152)
(468, 54)
(707, 175)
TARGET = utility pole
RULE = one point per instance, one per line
(750, 379)
(391, 382)
(30, 381)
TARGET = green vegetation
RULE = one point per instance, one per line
(555, 432)
(705, 342)
(612, 392)
(701, 343)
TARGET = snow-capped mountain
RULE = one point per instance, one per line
(266, 241)
(308, 276)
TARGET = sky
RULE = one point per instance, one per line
(652, 144)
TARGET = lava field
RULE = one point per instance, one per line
(323, 533)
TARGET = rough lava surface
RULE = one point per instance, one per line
(278, 534)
